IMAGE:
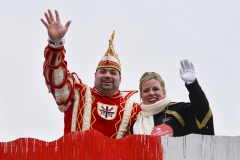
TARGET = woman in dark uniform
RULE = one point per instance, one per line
(160, 116)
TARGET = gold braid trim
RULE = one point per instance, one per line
(172, 103)
(176, 115)
(205, 120)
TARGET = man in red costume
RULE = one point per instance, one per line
(104, 107)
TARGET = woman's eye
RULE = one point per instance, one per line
(145, 91)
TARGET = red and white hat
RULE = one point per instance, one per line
(110, 58)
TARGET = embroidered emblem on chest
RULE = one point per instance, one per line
(107, 111)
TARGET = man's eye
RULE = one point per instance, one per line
(102, 71)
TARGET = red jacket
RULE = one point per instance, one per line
(84, 107)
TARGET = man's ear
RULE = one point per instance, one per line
(120, 79)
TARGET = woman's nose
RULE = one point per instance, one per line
(151, 92)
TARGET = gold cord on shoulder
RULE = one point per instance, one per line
(199, 125)
(176, 115)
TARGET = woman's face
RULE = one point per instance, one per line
(152, 92)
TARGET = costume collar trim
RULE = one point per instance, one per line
(115, 95)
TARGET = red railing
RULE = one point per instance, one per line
(87, 145)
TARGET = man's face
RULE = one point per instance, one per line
(107, 80)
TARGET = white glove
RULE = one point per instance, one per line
(187, 72)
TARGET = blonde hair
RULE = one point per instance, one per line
(151, 75)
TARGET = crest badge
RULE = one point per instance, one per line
(107, 111)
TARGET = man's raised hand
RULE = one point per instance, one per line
(56, 31)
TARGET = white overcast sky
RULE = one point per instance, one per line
(150, 36)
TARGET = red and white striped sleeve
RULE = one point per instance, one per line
(58, 79)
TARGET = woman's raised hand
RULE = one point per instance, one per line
(187, 71)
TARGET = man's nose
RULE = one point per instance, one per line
(107, 74)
